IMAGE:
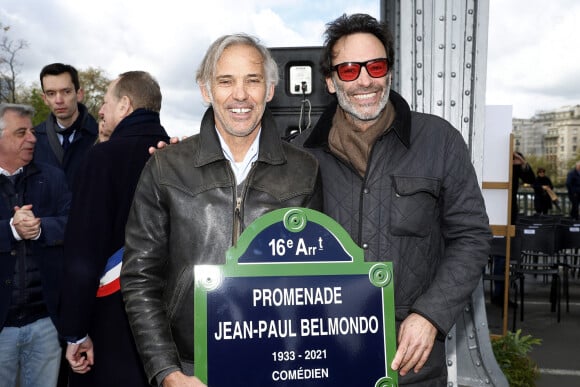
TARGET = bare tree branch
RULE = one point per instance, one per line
(9, 66)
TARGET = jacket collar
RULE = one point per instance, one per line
(30, 169)
(270, 152)
(401, 126)
(141, 122)
(82, 118)
(84, 113)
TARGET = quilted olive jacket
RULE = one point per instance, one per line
(419, 205)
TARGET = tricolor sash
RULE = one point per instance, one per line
(110, 281)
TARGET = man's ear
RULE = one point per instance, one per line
(330, 85)
(270, 94)
(205, 93)
(80, 95)
(125, 106)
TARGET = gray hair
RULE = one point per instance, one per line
(206, 69)
(20, 109)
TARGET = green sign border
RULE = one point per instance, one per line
(209, 277)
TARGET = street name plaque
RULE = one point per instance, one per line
(295, 305)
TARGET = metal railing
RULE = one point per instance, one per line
(525, 200)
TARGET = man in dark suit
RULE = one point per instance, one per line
(34, 204)
(100, 347)
(69, 131)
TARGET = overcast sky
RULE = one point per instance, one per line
(532, 55)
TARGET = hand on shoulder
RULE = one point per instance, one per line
(163, 144)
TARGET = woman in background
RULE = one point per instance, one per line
(542, 188)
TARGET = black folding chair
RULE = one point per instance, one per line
(539, 219)
(538, 256)
(498, 248)
(568, 244)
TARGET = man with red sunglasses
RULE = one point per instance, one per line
(403, 186)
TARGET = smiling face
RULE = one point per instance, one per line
(238, 91)
(60, 96)
(17, 141)
(364, 98)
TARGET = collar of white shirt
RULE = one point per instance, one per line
(6, 173)
(241, 169)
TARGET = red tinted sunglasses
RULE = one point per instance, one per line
(350, 71)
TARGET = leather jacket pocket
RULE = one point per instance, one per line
(413, 205)
(183, 288)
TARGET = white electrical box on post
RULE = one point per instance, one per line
(300, 80)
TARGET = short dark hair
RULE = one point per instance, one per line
(60, 68)
(347, 25)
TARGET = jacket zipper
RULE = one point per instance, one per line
(238, 210)
(237, 219)
(364, 181)
(361, 194)
(21, 247)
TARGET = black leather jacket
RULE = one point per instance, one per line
(184, 214)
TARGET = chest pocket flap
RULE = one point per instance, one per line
(413, 205)
(410, 185)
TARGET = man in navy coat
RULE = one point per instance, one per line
(34, 204)
(100, 349)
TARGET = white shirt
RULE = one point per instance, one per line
(61, 137)
(241, 169)
(6, 173)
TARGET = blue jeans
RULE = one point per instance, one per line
(33, 352)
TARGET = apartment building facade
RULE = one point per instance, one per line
(551, 134)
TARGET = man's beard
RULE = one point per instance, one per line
(351, 109)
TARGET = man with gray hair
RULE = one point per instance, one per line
(34, 203)
(195, 198)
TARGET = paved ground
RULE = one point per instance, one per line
(558, 355)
